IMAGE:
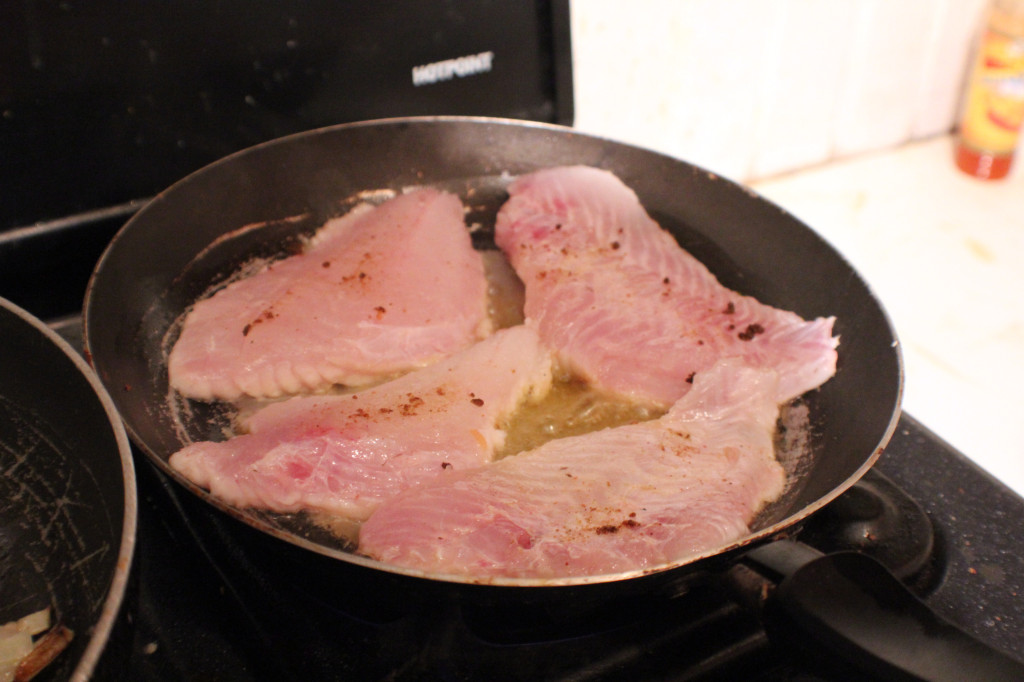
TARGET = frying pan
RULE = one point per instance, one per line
(67, 494)
(253, 204)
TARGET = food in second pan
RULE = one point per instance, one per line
(378, 292)
(29, 644)
(614, 500)
(624, 311)
(344, 454)
(630, 311)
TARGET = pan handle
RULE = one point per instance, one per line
(850, 606)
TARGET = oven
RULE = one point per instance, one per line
(104, 105)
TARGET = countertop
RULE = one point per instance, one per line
(942, 252)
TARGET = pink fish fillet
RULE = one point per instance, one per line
(379, 291)
(621, 499)
(345, 453)
(626, 307)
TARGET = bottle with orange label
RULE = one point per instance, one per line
(994, 107)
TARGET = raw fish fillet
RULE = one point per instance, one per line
(345, 453)
(621, 499)
(379, 291)
(628, 309)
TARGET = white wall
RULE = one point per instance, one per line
(754, 88)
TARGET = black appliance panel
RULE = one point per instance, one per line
(109, 101)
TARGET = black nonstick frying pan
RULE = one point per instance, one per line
(175, 249)
(67, 494)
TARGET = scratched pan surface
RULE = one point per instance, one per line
(67, 492)
(253, 204)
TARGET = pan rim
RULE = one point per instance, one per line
(101, 630)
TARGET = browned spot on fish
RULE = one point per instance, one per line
(358, 276)
(729, 309)
(616, 246)
(326, 264)
(409, 408)
(610, 528)
(751, 331)
(689, 378)
(380, 311)
(446, 465)
(265, 316)
(477, 401)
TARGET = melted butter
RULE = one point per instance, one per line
(342, 528)
(505, 291)
(571, 408)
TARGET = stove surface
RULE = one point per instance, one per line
(213, 603)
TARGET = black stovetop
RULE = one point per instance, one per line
(213, 605)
